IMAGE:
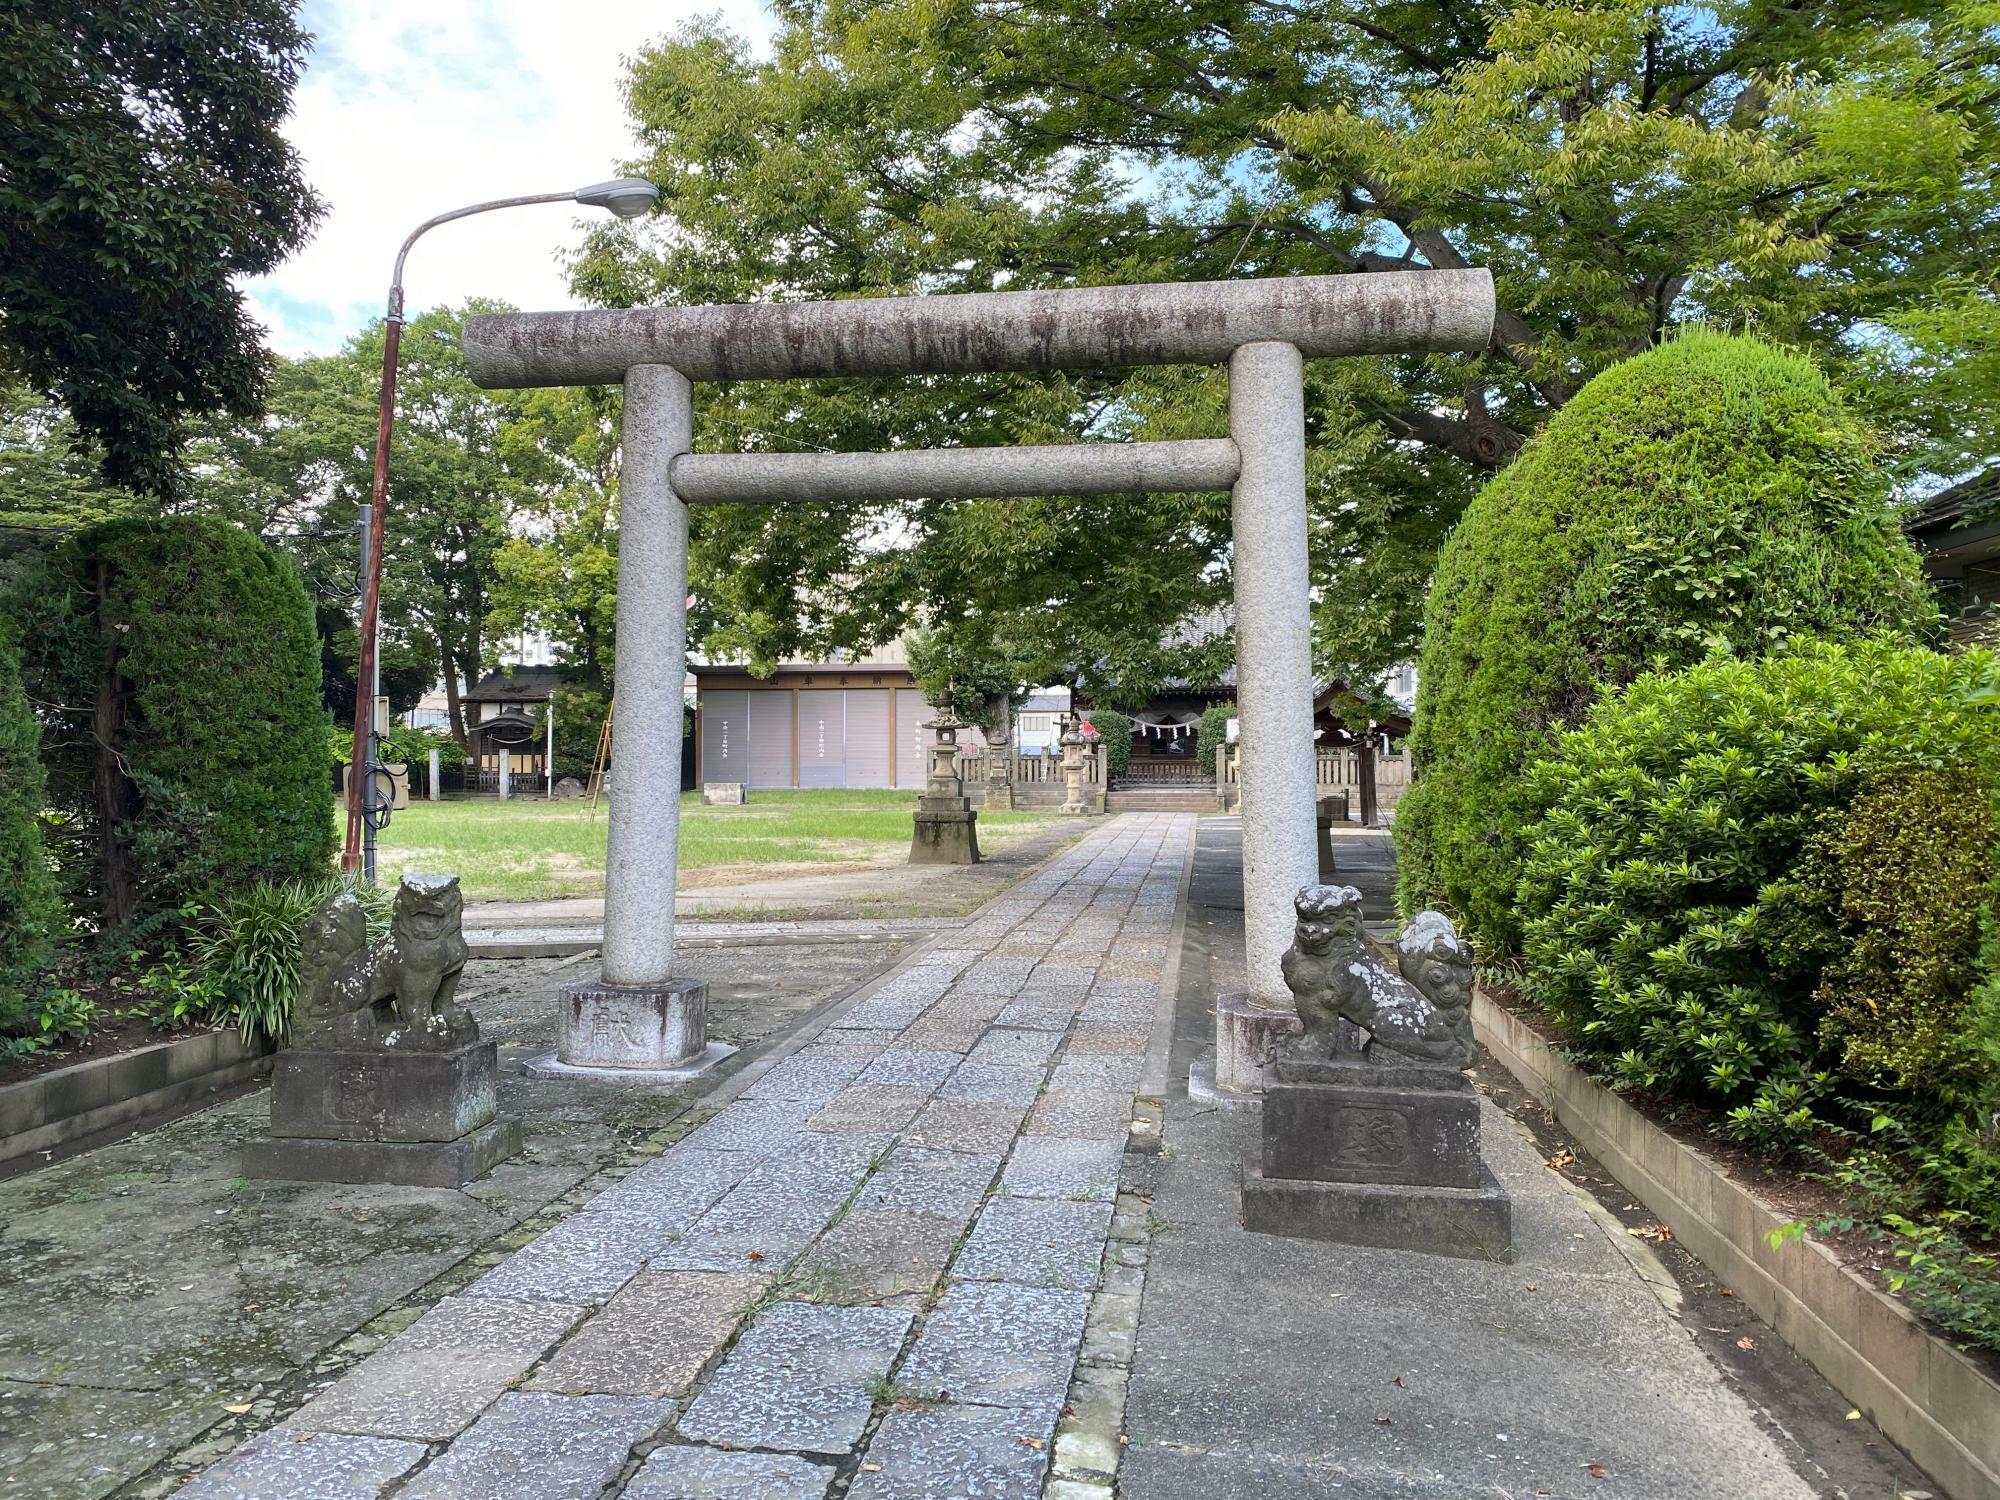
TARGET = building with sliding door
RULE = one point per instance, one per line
(814, 724)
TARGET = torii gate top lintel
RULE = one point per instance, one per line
(1109, 327)
(1263, 329)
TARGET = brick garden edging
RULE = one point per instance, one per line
(1931, 1400)
(99, 1100)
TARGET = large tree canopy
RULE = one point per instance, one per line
(141, 173)
(1624, 166)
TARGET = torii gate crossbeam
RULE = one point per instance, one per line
(1264, 330)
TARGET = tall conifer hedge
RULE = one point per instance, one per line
(180, 673)
(1709, 493)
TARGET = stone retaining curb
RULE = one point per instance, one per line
(1931, 1400)
(90, 1103)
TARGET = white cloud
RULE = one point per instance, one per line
(407, 110)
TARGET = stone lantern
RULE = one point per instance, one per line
(946, 831)
(1075, 803)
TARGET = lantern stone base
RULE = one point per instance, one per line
(946, 832)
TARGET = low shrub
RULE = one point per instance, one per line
(1115, 731)
(1706, 914)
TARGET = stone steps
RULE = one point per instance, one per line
(1195, 799)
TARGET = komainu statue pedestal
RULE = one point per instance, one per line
(1370, 1126)
(387, 1080)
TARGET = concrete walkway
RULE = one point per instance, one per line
(1270, 1367)
(876, 1265)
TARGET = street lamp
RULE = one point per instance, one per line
(627, 197)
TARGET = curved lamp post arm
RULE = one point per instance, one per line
(627, 197)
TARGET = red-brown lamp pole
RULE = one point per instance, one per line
(627, 197)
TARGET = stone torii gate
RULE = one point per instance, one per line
(638, 1015)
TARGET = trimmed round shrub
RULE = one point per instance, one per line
(1709, 897)
(182, 671)
(1115, 731)
(1709, 494)
(30, 911)
(1211, 733)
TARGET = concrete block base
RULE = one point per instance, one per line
(1246, 1037)
(437, 1164)
(657, 1028)
(945, 834)
(1469, 1223)
(723, 794)
(549, 1065)
(383, 1093)
(1202, 1088)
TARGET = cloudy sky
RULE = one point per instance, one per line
(407, 109)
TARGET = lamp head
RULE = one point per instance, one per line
(627, 197)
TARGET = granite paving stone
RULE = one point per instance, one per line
(761, 1126)
(942, 1034)
(653, 1338)
(893, 1260)
(1021, 1048)
(1037, 1242)
(814, 1078)
(966, 1125)
(798, 1380)
(1095, 1114)
(305, 1466)
(1052, 1166)
(536, 1445)
(1038, 1015)
(998, 1343)
(957, 1452)
(911, 1067)
(584, 1260)
(994, 1083)
(433, 1378)
(1098, 1070)
(768, 1218)
(925, 1180)
(862, 1042)
(675, 1189)
(677, 1472)
(870, 1106)
(1105, 1040)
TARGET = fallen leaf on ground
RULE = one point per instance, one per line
(1724, 1292)
(1530, 1287)
(239, 1410)
(756, 1255)
(1597, 1471)
(871, 1468)
(1854, 1415)
(1397, 1382)
(1746, 1342)
(1659, 1234)
(1384, 1422)
(1030, 1442)
(1560, 1160)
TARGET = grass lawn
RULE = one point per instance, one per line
(530, 849)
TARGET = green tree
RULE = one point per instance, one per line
(1625, 167)
(145, 172)
(174, 667)
(30, 911)
(1711, 494)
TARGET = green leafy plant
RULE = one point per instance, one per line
(1115, 732)
(248, 947)
(1709, 496)
(1666, 925)
(31, 912)
(178, 674)
(1211, 733)
(1952, 1282)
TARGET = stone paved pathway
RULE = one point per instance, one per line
(874, 1266)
